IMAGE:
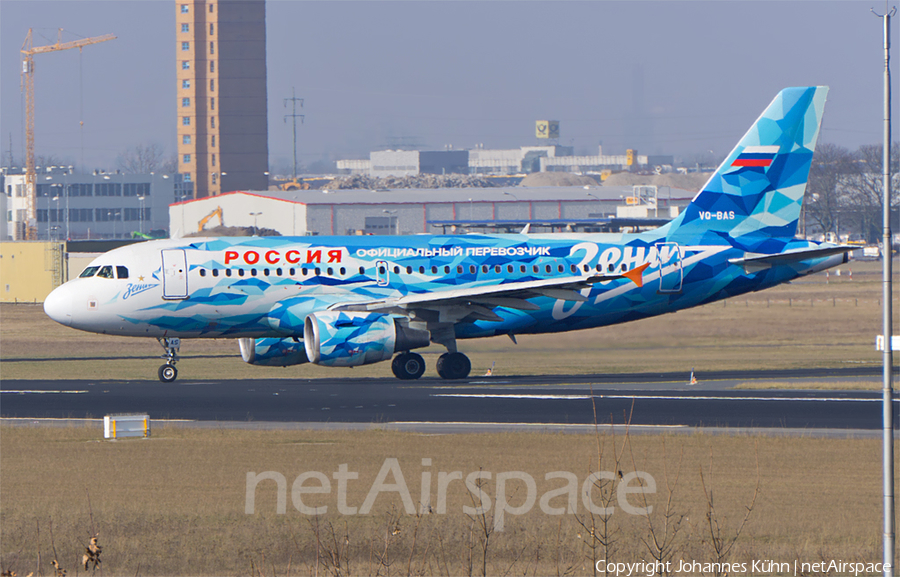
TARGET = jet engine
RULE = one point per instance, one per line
(351, 339)
(273, 352)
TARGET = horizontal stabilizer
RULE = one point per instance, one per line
(755, 262)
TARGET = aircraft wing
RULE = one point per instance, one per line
(479, 300)
(754, 262)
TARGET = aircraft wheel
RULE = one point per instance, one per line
(167, 373)
(408, 366)
(453, 366)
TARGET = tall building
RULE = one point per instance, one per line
(221, 70)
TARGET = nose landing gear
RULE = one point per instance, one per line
(167, 372)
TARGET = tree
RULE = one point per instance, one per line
(832, 166)
(144, 158)
(865, 189)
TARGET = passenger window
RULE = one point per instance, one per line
(304, 271)
(202, 272)
(89, 272)
(227, 272)
(548, 268)
(459, 269)
(497, 268)
(472, 269)
(240, 272)
(509, 268)
(397, 270)
(484, 268)
(560, 268)
(421, 270)
(293, 271)
(446, 270)
(121, 272)
(266, 271)
(573, 268)
(434, 270)
(362, 270)
(522, 268)
(252, 272)
(318, 271)
(215, 272)
(534, 268)
(409, 270)
(105, 272)
(381, 270)
(343, 271)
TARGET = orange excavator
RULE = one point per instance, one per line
(202, 224)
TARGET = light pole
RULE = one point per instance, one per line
(395, 217)
(141, 214)
(254, 215)
(56, 218)
(67, 193)
(48, 210)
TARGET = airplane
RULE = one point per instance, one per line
(345, 301)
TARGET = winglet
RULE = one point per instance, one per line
(636, 275)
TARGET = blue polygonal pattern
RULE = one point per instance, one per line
(278, 352)
(760, 185)
(350, 339)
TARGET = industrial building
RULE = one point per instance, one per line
(525, 159)
(418, 211)
(89, 206)
(221, 95)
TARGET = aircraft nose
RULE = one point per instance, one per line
(58, 305)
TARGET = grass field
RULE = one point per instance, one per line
(818, 321)
(175, 503)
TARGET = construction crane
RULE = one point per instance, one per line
(28, 52)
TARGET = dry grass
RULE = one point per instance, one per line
(872, 385)
(815, 322)
(174, 504)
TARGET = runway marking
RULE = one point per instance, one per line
(724, 398)
(653, 397)
(571, 425)
(31, 392)
(510, 396)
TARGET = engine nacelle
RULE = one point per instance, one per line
(351, 339)
(273, 352)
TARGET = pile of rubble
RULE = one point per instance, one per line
(419, 181)
(234, 231)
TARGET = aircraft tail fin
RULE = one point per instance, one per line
(757, 192)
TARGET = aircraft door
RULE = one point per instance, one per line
(382, 273)
(174, 264)
(671, 273)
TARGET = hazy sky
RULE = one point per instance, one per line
(675, 77)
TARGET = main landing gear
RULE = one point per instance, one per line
(168, 372)
(410, 366)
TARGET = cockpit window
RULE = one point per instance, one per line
(106, 272)
(89, 272)
(121, 272)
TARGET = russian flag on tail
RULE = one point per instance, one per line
(756, 156)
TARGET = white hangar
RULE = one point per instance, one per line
(418, 211)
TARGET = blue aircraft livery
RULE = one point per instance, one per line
(350, 301)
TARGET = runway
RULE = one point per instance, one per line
(479, 403)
